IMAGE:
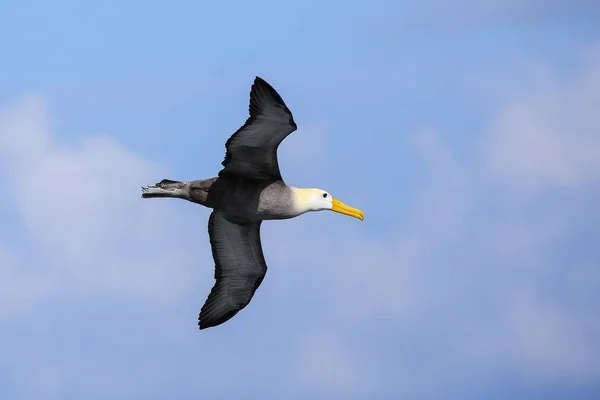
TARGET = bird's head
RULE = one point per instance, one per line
(319, 199)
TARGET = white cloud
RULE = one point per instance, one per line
(464, 286)
(83, 225)
(453, 275)
(549, 135)
(78, 239)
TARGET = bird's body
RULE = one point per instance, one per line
(248, 190)
(238, 198)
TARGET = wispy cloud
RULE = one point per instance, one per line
(81, 226)
(472, 275)
(548, 135)
(483, 277)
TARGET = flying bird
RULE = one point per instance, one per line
(248, 190)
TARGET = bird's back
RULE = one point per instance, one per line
(256, 200)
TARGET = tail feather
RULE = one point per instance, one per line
(154, 191)
(164, 188)
(167, 182)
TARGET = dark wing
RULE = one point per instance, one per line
(252, 149)
(239, 268)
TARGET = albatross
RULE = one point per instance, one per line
(249, 189)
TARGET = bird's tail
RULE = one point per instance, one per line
(165, 188)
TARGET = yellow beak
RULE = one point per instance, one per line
(342, 208)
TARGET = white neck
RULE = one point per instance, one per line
(301, 199)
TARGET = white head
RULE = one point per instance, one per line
(317, 200)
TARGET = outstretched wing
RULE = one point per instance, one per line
(252, 149)
(239, 268)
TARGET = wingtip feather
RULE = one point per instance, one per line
(262, 94)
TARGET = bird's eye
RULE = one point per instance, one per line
(324, 195)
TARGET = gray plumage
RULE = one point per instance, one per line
(248, 190)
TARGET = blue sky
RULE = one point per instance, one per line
(467, 131)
